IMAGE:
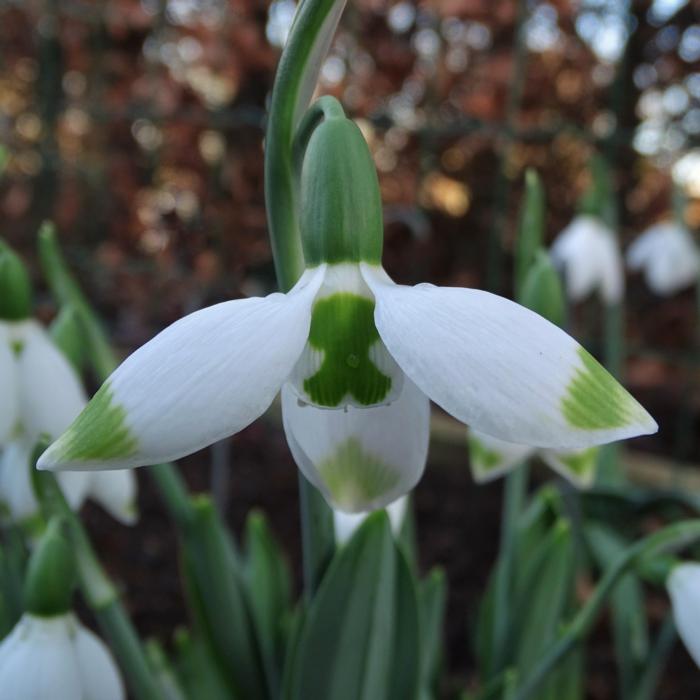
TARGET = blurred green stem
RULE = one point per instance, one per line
(669, 538)
(514, 492)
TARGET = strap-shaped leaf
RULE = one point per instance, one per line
(360, 636)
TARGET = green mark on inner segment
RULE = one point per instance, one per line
(594, 399)
(99, 432)
(484, 459)
(342, 327)
(17, 346)
(580, 463)
(354, 477)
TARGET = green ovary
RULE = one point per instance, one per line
(342, 328)
(594, 400)
(355, 478)
(99, 433)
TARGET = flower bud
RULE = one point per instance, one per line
(15, 288)
(341, 208)
(48, 588)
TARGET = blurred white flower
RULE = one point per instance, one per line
(346, 523)
(56, 658)
(667, 255)
(41, 396)
(588, 254)
(683, 586)
(490, 458)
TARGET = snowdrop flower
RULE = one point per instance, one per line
(41, 396)
(347, 523)
(56, 658)
(357, 359)
(49, 655)
(683, 585)
(490, 458)
(588, 254)
(667, 255)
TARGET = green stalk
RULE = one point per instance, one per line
(669, 538)
(100, 593)
(514, 492)
(297, 71)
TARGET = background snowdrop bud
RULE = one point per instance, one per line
(68, 335)
(667, 255)
(341, 208)
(15, 288)
(346, 524)
(683, 585)
(48, 588)
(531, 228)
(541, 290)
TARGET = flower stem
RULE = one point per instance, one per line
(669, 538)
(310, 35)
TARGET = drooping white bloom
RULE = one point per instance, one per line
(41, 396)
(490, 458)
(346, 524)
(667, 255)
(588, 253)
(683, 585)
(356, 357)
(56, 658)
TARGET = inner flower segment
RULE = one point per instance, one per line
(345, 362)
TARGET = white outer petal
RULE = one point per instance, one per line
(490, 363)
(203, 378)
(345, 524)
(50, 392)
(99, 674)
(9, 399)
(115, 491)
(509, 456)
(394, 436)
(683, 586)
(38, 662)
(588, 252)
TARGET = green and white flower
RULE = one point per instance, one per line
(490, 458)
(668, 256)
(356, 357)
(588, 254)
(56, 658)
(683, 585)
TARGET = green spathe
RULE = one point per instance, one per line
(15, 288)
(342, 327)
(594, 400)
(354, 476)
(341, 208)
(99, 433)
(50, 580)
(541, 290)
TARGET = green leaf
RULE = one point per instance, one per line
(530, 230)
(197, 670)
(163, 671)
(432, 599)
(544, 601)
(68, 334)
(218, 600)
(630, 628)
(360, 637)
(269, 592)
